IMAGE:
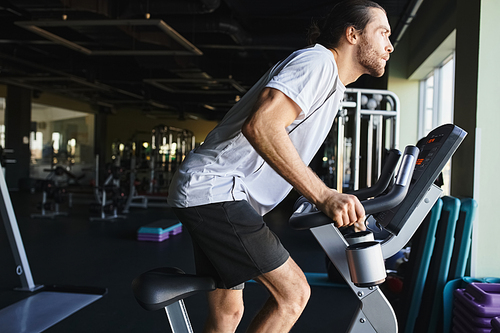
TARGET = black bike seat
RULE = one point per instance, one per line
(160, 287)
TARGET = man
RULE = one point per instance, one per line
(258, 152)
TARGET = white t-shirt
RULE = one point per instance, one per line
(227, 168)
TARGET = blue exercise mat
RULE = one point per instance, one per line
(431, 310)
(420, 257)
(461, 252)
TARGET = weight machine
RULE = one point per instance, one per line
(366, 127)
(109, 197)
(54, 193)
(169, 147)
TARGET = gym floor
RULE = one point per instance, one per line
(73, 251)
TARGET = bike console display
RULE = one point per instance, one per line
(435, 151)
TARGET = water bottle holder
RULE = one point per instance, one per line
(366, 264)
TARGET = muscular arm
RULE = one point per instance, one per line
(265, 129)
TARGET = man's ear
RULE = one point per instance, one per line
(352, 35)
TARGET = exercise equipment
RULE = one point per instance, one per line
(145, 200)
(366, 126)
(495, 323)
(431, 313)
(418, 268)
(159, 231)
(460, 257)
(169, 146)
(109, 197)
(54, 193)
(46, 305)
(475, 307)
(400, 211)
(463, 238)
(3, 157)
(448, 245)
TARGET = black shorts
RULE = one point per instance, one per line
(231, 242)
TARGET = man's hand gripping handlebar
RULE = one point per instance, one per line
(308, 216)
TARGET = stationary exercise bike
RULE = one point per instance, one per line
(357, 256)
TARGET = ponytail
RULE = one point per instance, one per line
(348, 13)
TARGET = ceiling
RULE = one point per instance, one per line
(172, 58)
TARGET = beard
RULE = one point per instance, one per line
(370, 59)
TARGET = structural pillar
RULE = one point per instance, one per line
(475, 164)
(100, 140)
(17, 135)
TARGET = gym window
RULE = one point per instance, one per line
(436, 104)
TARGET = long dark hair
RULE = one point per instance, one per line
(348, 13)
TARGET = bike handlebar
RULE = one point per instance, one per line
(386, 176)
(305, 218)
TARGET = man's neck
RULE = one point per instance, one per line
(349, 69)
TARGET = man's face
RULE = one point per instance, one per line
(374, 46)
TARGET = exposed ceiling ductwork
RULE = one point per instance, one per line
(161, 7)
(197, 56)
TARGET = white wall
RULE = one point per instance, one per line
(407, 91)
(486, 248)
